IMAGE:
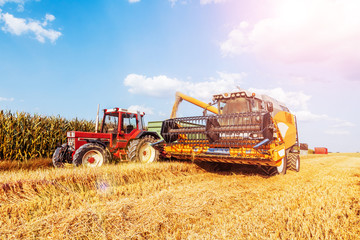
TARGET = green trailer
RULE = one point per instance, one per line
(155, 126)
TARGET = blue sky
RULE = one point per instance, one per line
(65, 57)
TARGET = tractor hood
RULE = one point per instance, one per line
(88, 135)
(76, 139)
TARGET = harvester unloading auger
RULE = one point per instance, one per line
(244, 128)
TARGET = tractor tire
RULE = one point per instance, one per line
(57, 157)
(90, 155)
(293, 162)
(140, 150)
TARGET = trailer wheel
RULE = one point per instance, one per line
(140, 150)
(90, 155)
(294, 162)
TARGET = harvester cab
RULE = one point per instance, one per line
(121, 136)
(246, 128)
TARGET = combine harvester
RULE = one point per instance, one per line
(244, 128)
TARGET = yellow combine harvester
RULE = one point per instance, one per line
(243, 128)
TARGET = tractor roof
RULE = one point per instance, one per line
(113, 110)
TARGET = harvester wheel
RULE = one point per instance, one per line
(140, 150)
(90, 155)
(294, 162)
(271, 171)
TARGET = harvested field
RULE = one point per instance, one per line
(172, 200)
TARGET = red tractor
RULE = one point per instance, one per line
(122, 135)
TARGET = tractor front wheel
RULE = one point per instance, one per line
(140, 150)
(61, 156)
(90, 155)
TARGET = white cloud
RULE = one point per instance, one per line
(134, 1)
(308, 116)
(337, 132)
(203, 2)
(341, 124)
(316, 31)
(48, 18)
(20, 4)
(2, 2)
(238, 41)
(141, 108)
(20, 26)
(163, 86)
(2, 99)
(297, 101)
(340, 128)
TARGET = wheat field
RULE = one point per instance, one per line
(179, 200)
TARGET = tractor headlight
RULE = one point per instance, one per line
(70, 134)
(71, 143)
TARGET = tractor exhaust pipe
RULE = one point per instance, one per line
(97, 120)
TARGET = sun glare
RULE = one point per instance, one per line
(293, 11)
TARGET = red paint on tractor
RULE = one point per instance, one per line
(119, 126)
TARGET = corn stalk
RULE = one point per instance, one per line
(24, 136)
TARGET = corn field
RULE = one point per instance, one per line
(25, 136)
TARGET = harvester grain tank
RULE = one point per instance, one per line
(243, 128)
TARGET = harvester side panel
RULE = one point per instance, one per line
(286, 124)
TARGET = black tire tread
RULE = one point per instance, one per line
(134, 146)
(292, 159)
(56, 158)
(77, 160)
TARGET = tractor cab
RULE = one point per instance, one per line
(121, 121)
(123, 125)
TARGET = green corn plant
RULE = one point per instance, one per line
(25, 136)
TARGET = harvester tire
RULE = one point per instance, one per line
(280, 170)
(294, 162)
(139, 150)
(90, 155)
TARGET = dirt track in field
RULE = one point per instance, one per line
(181, 200)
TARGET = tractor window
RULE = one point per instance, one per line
(129, 122)
(111, 124)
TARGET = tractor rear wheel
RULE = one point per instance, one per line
(90, 155)
(140, 150)
(294, 162)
